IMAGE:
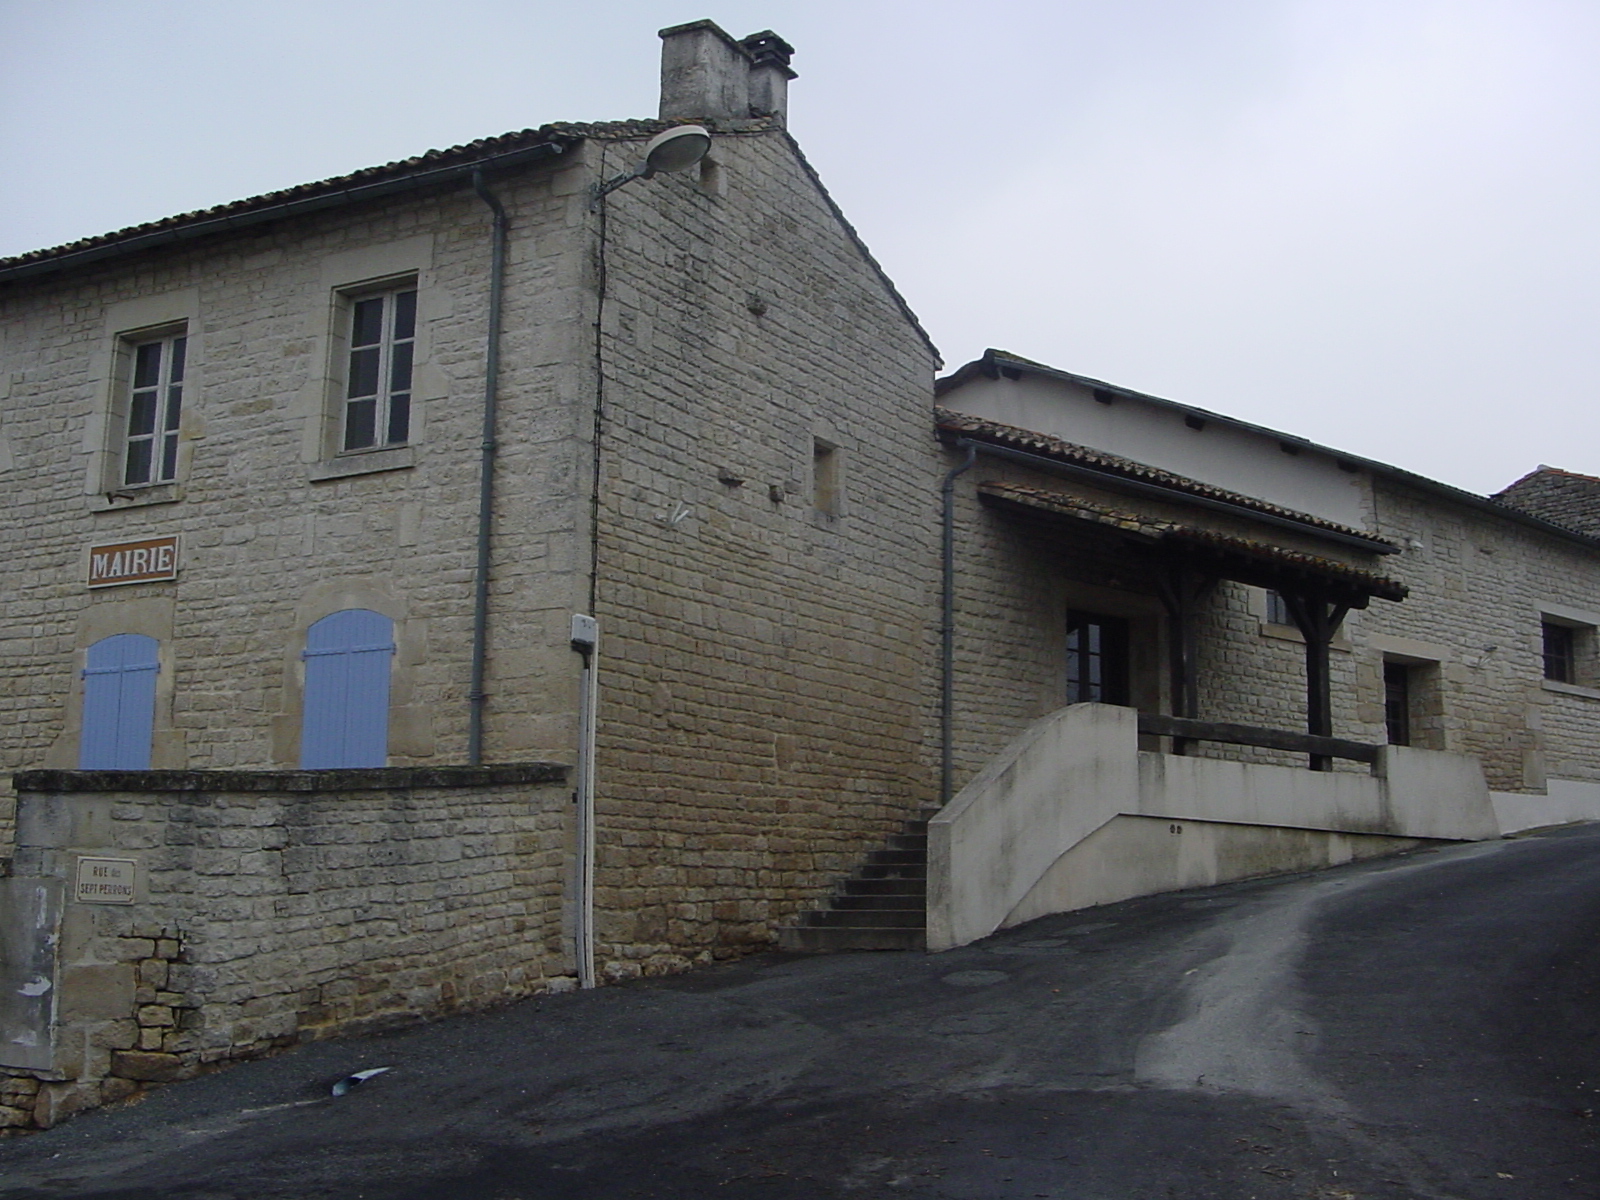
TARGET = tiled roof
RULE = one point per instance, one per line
(980, 429)
(995, 362)
(1563, 498)
(560, 134)
(1159, 529)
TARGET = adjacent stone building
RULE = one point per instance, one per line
(1260, 603)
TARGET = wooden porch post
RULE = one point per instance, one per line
(1179, 590)
(1318, 619)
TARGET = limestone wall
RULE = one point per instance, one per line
(1480, 584)
(768, 663)
(274, 529)
(269, 908)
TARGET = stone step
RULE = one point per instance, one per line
(893, 886)
(816, 939)
(897, 858)
(902, 900)
(881, 906)
(867, 918)
(917, 870)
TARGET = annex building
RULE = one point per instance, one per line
(551, 559)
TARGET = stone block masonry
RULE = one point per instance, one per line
(274, 907)
(768, 638)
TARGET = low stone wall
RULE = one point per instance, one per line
(157, 922)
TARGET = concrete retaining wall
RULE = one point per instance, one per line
(250, 910)
(1564, 801)
(1073, 814)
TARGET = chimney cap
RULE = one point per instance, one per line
(767, 49)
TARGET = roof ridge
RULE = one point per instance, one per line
(556, 132)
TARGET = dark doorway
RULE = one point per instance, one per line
(1397, 702)
(1097, 658)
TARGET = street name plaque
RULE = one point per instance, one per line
(105, 880)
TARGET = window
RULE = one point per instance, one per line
(154, 405)
(377, 384)
(1278, 609)
(1560, 653)
(345, 712)
(825, 478)
(1097, 658)
(1397, 703)
(119, 703)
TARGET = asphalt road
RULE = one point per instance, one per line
(1425, 1026)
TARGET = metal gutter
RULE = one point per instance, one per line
(476, 697)
(355, 194)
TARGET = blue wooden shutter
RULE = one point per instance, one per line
(119, 703)
(345, 721)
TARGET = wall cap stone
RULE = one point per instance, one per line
(352, 779)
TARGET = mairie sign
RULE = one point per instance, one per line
(133, 562)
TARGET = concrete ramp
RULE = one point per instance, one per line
(1073, 814)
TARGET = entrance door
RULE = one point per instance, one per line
(1097, 658)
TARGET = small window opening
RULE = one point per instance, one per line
(1560, 653)
(1278, 609)
(1194, 422)
(825, 478)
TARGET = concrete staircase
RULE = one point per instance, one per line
(882, 906)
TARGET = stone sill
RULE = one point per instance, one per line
(1570, 689)
(160, 493)
(350, 779)
(368, 462)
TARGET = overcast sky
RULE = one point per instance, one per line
(1368, 222)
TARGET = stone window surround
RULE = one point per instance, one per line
(1586, 649)
(345, 276)
(125, 324)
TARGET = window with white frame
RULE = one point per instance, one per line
(154, 408)
(381, 337)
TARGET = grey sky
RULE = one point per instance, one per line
(1369, 222)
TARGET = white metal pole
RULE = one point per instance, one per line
(585, 637)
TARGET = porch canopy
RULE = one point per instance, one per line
(1186, 559)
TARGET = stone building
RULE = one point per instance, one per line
(1182, 612)
(549, 560)
(319, 499)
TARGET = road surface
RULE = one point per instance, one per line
(1422, 1026)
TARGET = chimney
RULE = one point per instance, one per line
(769, 74)
(707, 74)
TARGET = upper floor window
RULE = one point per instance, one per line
(154, 407)
(377, 383)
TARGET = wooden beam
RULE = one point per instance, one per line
(1250, 735)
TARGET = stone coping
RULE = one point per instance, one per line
(350, 779)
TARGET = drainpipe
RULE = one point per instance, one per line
(947, 629)
(476, 696)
